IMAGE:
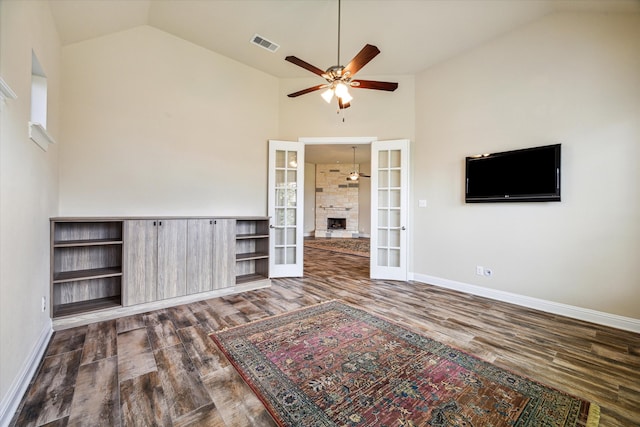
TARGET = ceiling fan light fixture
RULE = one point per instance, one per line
(354, 175)
(339, 77)
(346, 97)
(327, 95)
(341, 90)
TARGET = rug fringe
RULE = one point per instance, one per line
(593, 419)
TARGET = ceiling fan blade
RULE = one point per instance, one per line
(364, 176)
(307, 90)
(367, 53)
(372, 84)
(300, 63)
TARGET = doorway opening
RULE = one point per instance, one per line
(337, 209)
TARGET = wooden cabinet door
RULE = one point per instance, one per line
(224, 253)
(140, 261)
(172, 258)
(199, 255)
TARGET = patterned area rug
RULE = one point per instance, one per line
(358, 247)
(333, 364)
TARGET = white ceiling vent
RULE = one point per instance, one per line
(264, 43)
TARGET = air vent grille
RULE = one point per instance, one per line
(264, 43)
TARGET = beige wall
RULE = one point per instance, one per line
(154, 125)
(28, 189)
(568, 78)
(364, 201)
(309, 199)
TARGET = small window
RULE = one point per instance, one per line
(38, 92)
(38, 123)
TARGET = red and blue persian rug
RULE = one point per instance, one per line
(332, 364)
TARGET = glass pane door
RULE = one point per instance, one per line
(389, 201)
(286, 185)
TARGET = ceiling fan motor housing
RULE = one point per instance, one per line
(335, 73)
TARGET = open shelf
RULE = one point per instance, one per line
(86, 265)
(93, 242)
(94, 273)
(251, 236)
(248, 278)
(252, 255)
(252, 250)
(80, 307)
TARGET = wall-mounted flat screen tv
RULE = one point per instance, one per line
(527, 175)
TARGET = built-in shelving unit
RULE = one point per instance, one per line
(252, 250)
(103, 267)
(86, 265)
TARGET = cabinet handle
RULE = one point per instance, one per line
(159, 222)
(154, 223)
(210, 222)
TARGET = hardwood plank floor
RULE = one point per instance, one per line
(170, 374)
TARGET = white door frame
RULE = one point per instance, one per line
(400, 273)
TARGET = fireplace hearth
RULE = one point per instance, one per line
(336, 223)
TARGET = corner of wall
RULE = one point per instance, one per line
(10, 402)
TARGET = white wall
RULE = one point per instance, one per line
(567, 78)
(309, 199)
(155, 125)
(28, 191)
(364, 201)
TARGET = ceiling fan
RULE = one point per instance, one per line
(339, 78)
(354, 175)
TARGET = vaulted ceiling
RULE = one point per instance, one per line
(411, 34)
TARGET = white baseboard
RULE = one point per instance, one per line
(11, 401)
(588, 315)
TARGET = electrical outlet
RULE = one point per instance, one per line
(44, 304)
(488, 272)
(480, 270)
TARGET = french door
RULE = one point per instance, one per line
(389, 209)
(286, 208)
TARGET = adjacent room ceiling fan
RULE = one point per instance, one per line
(339, 78)
(354, 175)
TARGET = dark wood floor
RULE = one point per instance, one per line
(160, 368)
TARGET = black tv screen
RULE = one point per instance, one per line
(527, 175)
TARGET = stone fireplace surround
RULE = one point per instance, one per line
(336, 198)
